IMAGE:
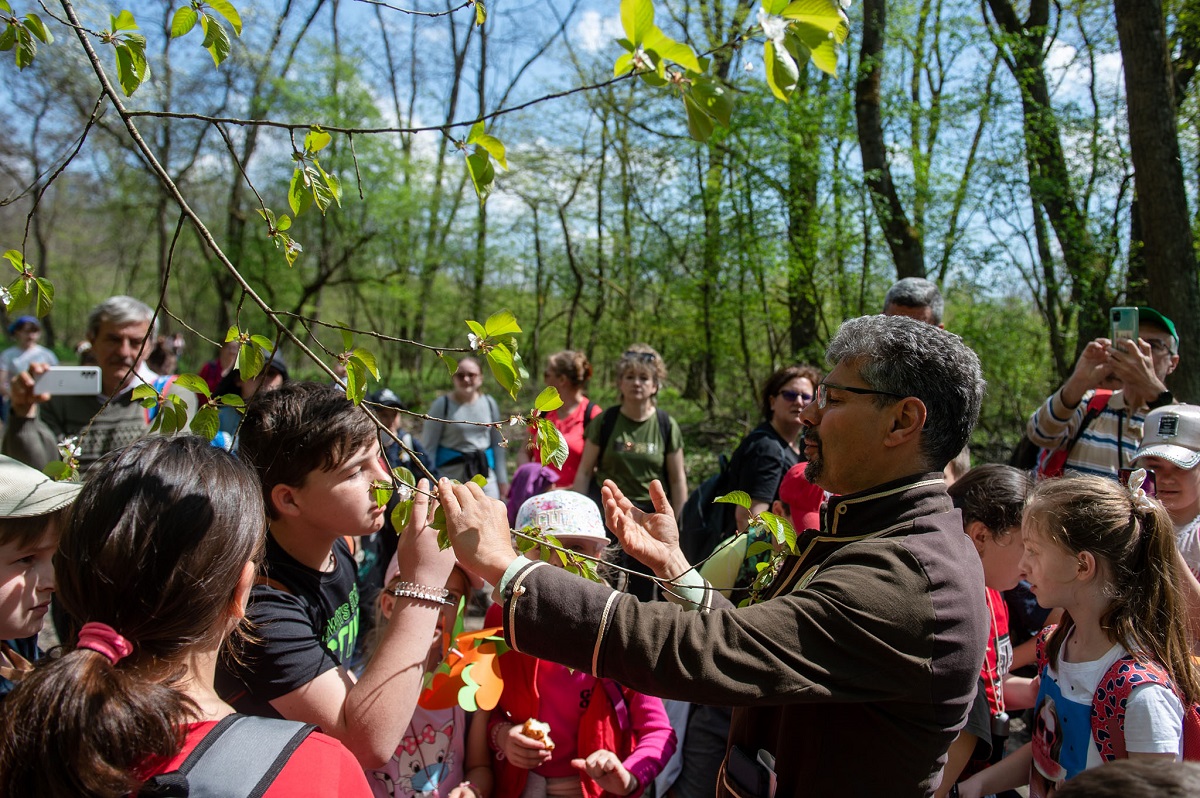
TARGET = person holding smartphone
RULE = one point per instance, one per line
(1096, 417)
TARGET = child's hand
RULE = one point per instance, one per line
(524, 752)
(605, 768)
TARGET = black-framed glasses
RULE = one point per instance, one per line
(1158, 346)
(823, 393)
(793, 396)
(466, 375)
(645, 357)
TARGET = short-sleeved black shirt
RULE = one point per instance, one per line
(760, 463)
(299, 632)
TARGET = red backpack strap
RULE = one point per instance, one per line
(1053, 463)
(1112, 694)
(1042, 638)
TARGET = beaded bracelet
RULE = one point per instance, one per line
(434, 595)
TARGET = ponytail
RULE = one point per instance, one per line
(151, 558)
(80, 725)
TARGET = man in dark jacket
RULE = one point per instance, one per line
(854, 673)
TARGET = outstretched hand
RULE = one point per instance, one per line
(478, 529)
(420, 558)
(650, 538)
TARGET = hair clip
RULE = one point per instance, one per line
(1136, 494)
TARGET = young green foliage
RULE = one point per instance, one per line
(311, 184)
(796, 32)
(277, 233)
(494, 339)
(216, 40)
(405, 485)
(479, 160)
(22, 34)
(26, 289)
(130, 49)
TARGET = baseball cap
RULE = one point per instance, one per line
(275, 362)
(565, 514)
(26, 492)
(802, 497)
(1172, 432)
(386, 397)
(21, 321)
(1154, 317)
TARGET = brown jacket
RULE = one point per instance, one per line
(856, 672)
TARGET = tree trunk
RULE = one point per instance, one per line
(1170, 260)
(904, 240)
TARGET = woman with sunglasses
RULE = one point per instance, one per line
(463, 450)
(634, 444)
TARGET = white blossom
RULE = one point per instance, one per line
(773, 27)
(404, 492)
(748, 66)
(5, 296)
(473, 339)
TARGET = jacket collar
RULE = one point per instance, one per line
(891, 504)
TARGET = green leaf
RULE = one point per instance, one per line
(781, 530)
(480, 480)
(19, 294)
(226, 9)
(495, 148)
(45, 296)
(193, 383)
(206, 423)
(500, 360)
(35, 25)
(552, 446)
(58, 470)
(479, 331)
(284, 223)
(182, 23)
(401, 514)
(758, 547)
(16, 259)
(316, 140)
(4, 6)
(232, 334)
(263, 342)
(739, 497)
(216, 40)
(232, 400)
(782, 71)
(665, 47)
(502, 323)
(483, 174)
(624, 63)
(122, 21)
(404, 476)
(334, 185)
(475, 132)
(367, 359)
(774, 7)
(356, 381)
(480, 12)
(637, 19)
(249, 361)
(713, 98)
(381, 491)
(141, 392)
(700, 124)
(823, 15)
(347, 336)
(548, 400)
(296, 191)
(652, 79)
(450, 363)
(126, 75)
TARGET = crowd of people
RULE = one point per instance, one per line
(240, 616)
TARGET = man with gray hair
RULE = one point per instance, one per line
(119, 330)
(916, 298)
(854, 672)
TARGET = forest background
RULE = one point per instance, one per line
(986, 145)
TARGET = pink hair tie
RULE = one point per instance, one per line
(103, 639)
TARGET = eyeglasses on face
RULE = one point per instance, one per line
(1159, 346)
(644, 357)
(823, 393)
(466, 375)
(792, 396)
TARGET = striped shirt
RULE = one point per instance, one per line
(1108, 442)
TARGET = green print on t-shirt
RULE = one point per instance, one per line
(341, 631)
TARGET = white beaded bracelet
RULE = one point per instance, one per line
(434, 595)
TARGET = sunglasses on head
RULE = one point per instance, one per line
(645, 357)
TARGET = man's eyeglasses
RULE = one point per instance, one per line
(792, 396)
(645, 357)
(1159, 347)
(823, 393)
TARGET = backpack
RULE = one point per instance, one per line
(702, 524)
(608, 423)
(1112, 693)
(240, 757)
(1052, 463)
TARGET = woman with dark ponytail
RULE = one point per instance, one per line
(156, 562)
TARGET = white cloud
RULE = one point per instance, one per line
(595, 33)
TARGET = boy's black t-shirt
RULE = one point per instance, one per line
(299, 632)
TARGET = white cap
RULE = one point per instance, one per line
(1172, 432)
(565, 514)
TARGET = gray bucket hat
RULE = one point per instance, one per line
(1172, 433)
(26, 492)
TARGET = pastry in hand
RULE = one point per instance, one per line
(536, 730)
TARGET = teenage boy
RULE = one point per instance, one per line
(318, 457)
(33, 509)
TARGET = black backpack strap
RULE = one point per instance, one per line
(590, 411)
(664, 432)
(607, 424)
(240, 757)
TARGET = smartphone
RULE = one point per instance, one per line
(1123, 324)
(69, 381)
